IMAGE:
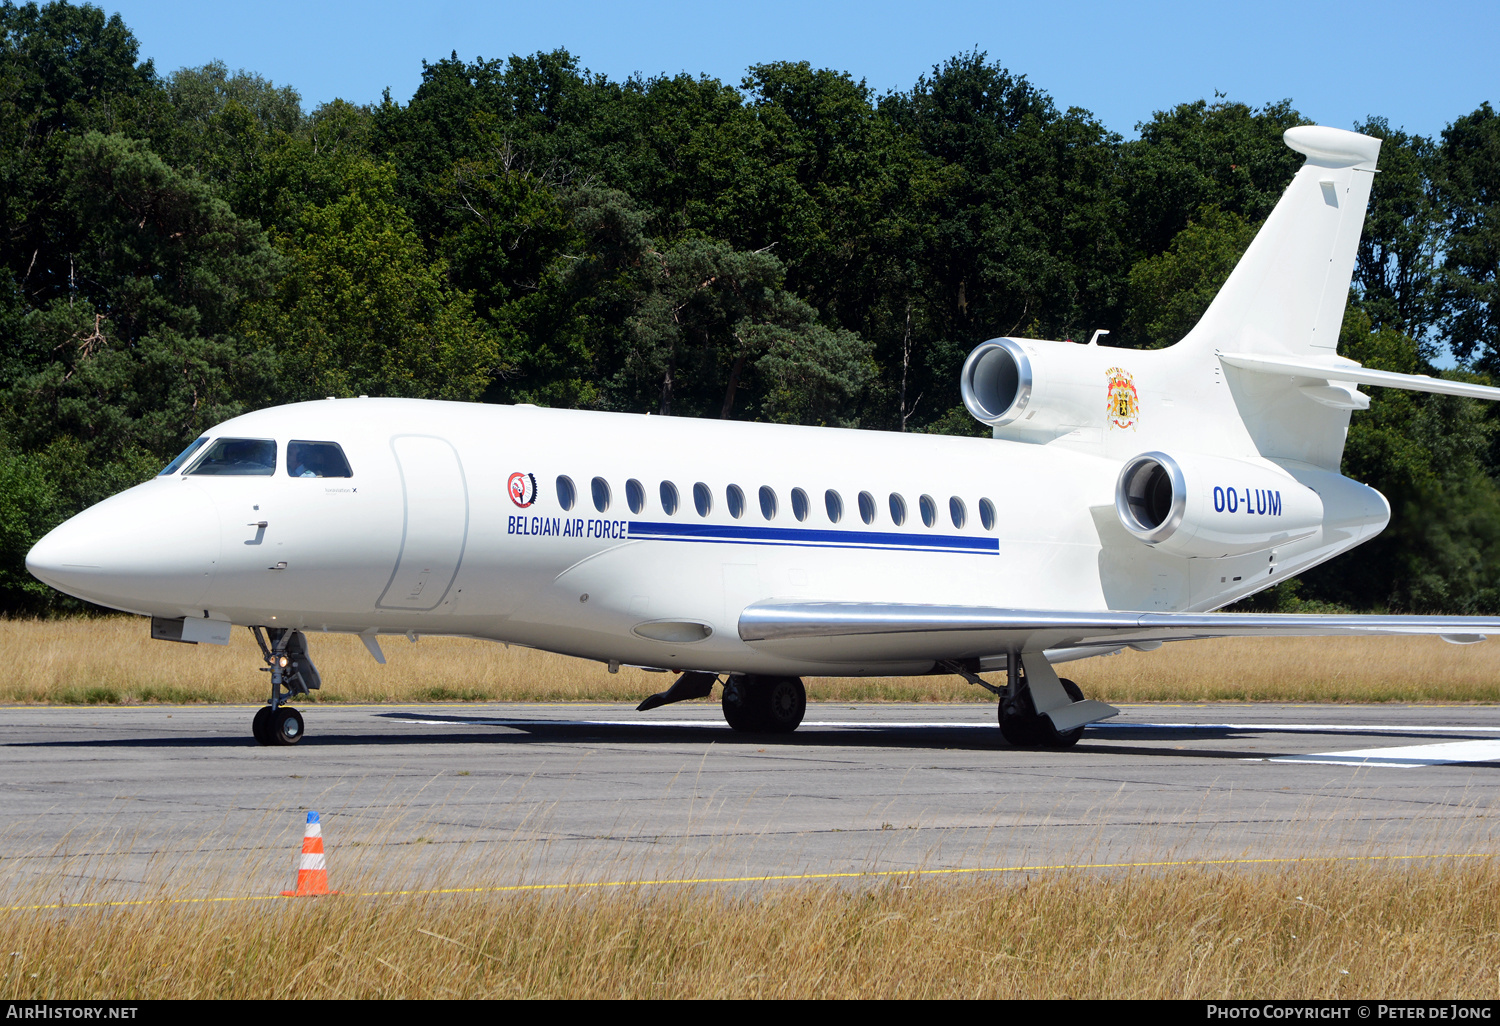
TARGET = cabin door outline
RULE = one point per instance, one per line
(434, 523)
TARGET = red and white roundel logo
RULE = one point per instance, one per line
(522, 489)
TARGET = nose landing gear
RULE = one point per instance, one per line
(292, 674)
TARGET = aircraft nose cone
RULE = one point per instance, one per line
(152, 549)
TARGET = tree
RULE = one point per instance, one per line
(1469, 193)
(1395, 274)
(136, 350)
(1170, 292)
(362, 310)
(716, 311)
(1198, 154)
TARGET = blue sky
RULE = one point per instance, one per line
(1419, 66)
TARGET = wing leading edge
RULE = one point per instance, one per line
(860, 630)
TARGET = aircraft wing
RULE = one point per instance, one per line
(839, 631)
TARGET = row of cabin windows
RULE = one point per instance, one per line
(770, 504)
(257, 457)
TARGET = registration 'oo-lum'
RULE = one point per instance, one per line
(1124, 496)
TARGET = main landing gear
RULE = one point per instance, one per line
(1024, 727)
(292, 674)
(1038, 709)
(765, 705)
(751, 703)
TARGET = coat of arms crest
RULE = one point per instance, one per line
(1123, 405)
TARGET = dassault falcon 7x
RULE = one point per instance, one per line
(1124, 496)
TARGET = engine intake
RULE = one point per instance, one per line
(996, 382)
(1151, 497)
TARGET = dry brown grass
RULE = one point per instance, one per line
(114, 660)
(1309, 931)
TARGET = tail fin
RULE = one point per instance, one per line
(1286, 296)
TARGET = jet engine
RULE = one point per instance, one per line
(1031, 390)
(1193, 505)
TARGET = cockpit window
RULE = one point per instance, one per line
(182, 457)
(316, 459)
(237, 457)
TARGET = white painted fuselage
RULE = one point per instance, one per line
(427, 537)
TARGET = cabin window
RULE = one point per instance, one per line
(182, 457)
(867, 507)
(668, 498)
(987, 514)
(834, 503)
(957, 512)
(929, 510)
(635, 495)
(736, 499)
(238, 457)
(768, 502)
(800, 505)
(703, 499)
(566, 493)
(898, 510)
(316, 459)
(601, 494)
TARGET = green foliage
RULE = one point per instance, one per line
(158, 248)
(1426, 454)
(28, 509)
(1468, 183)
(136, 352)
(715, 312)
(1198, 154)
(1169, 292)
(362, 310)
(1396, 270)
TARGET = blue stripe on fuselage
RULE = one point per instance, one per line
(809, 537)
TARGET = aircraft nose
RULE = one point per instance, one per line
(152, 549)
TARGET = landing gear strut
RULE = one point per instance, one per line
(292, 674)
(766, 705)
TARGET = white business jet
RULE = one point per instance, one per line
(1125, 495)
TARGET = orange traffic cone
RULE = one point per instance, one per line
(312, 872)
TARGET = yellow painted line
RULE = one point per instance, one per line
(771, 878)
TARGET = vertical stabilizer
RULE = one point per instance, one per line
(1286, 296)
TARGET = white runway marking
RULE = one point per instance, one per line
(1400, 757)
(1407, 756)
(871, 725)
(1301, 728)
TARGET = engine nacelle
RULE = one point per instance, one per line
(1031, 390)
(1194, 505)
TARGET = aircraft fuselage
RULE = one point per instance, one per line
(452, 522)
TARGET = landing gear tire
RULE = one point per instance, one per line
(261, 726)
(785, 704)
(1022, 726)
(766, 705)
(741, 711)
(286, 726)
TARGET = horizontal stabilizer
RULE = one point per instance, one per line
(1338, 369)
